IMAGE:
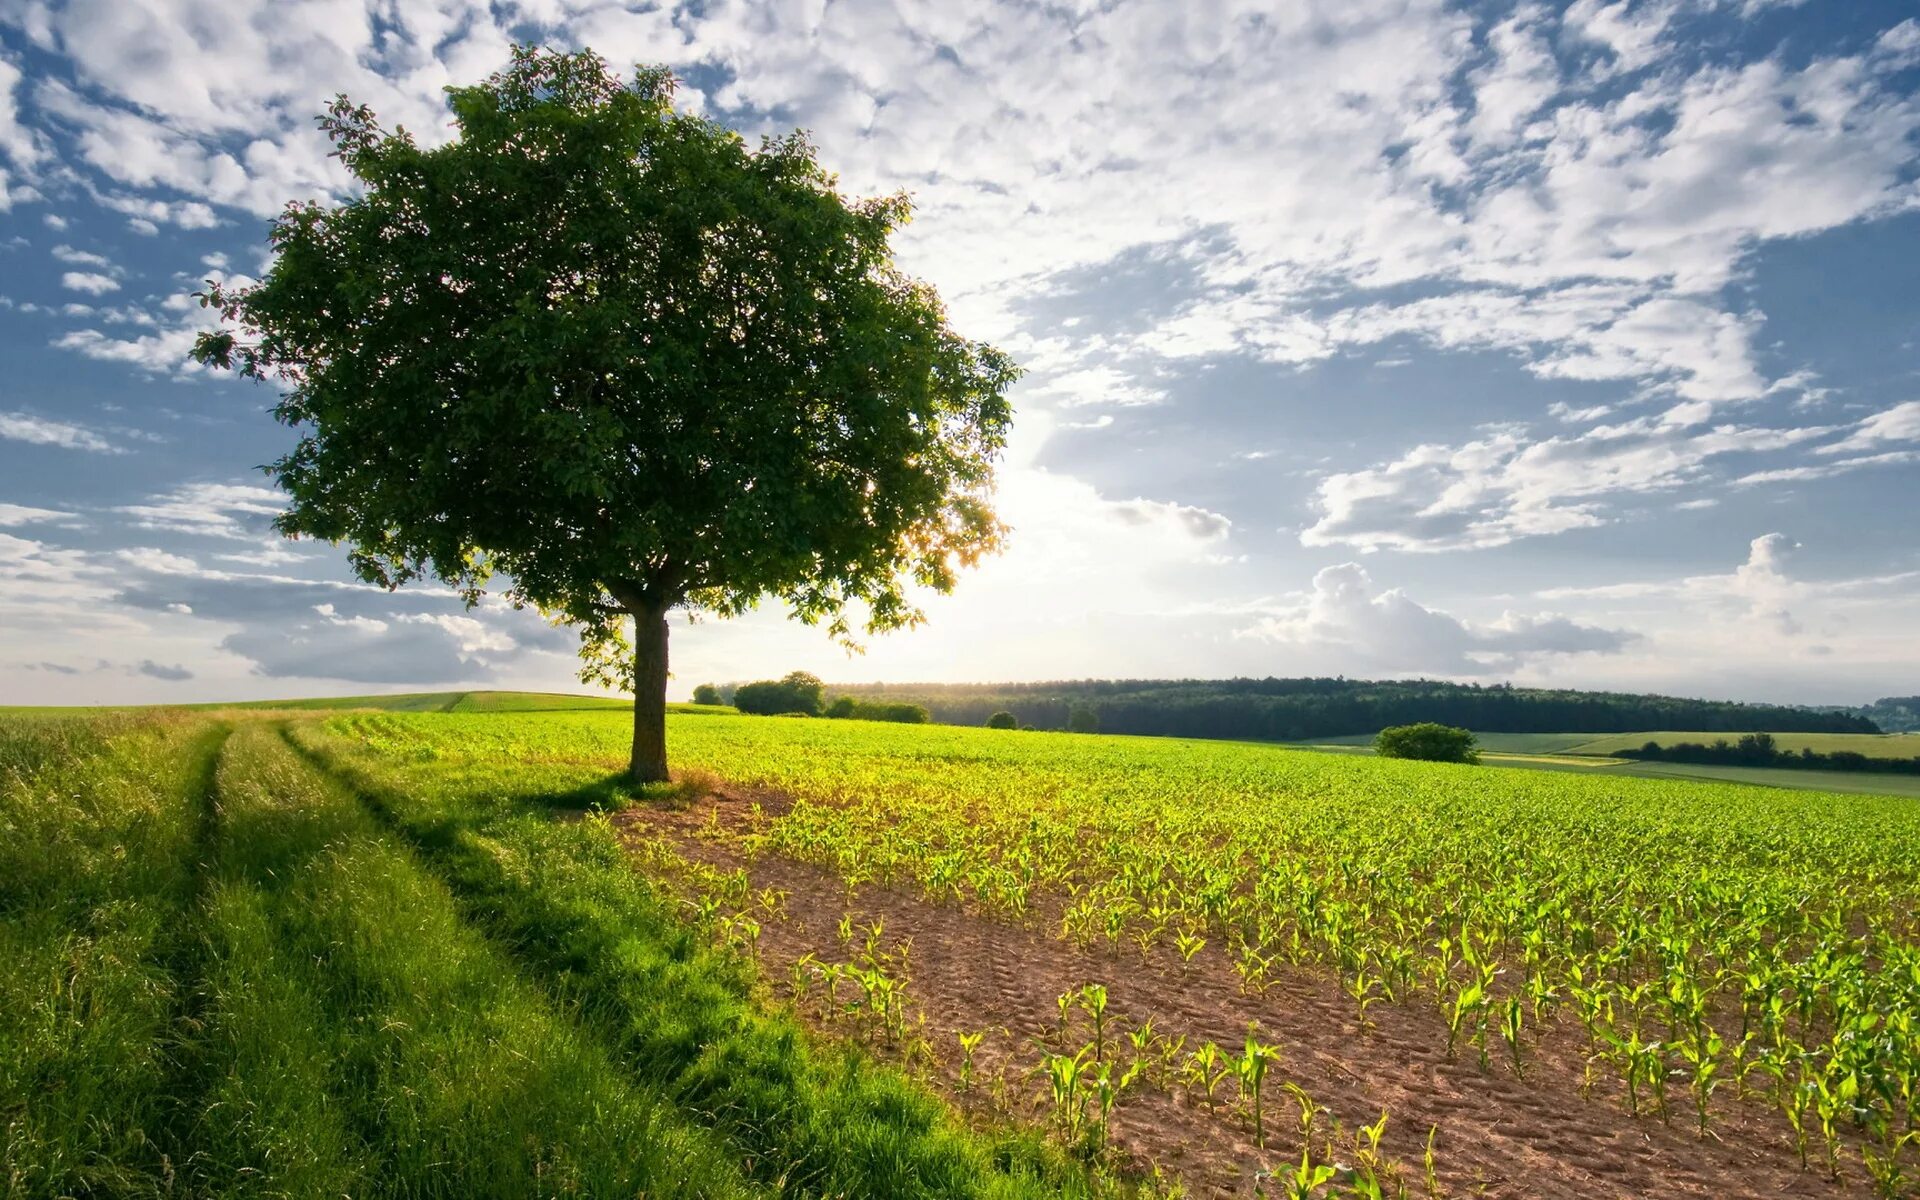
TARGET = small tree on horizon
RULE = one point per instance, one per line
(706, 693)
(1003, 720)
(611, 354)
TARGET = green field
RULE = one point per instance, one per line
(1873, 745)
(1589, 754)
(378, 952)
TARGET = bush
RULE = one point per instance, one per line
(1428, 742)
(842, 707)
(706, 693)
(1003, 720)
(799, 693)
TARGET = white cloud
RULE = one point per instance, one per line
(1827, 470)
(1197, 523)
(92, 282)
(1523, 76)
(221, 510)
(42, 431)
(17, 142)
(81, 258)
(1506, 487)
(1389, 631)
(1901, 423)
(20, 514)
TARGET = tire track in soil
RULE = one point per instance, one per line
(1498, 1136)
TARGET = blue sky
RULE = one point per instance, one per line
(1570, 344)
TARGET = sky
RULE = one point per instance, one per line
(1557, 344)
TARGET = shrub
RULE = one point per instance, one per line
(706, 693)
(842, 707)
(798, 692)
(1428, 742)
(1003, 720)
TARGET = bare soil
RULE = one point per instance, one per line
(1496, 1134)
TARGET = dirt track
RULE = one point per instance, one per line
(1498, 1135)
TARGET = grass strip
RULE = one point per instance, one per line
(100, 827)
(816, 1121)
(369, 1042)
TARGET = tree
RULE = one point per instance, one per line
(706, 693)
(610, 354)
(1428, 742)
(842, 707)
(797, 692)
(1081, 718)
(1003, 720)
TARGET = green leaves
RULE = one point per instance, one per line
(609, 353)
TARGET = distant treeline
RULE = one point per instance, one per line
(1893, 714)
(1297, 709)
(1759, 750)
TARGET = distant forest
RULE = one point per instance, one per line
(1296, 709)
(1895, 714)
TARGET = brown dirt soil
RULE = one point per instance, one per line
(1497, 1135)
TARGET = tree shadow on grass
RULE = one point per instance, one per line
(616, 792)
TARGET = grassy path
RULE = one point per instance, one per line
(362, 1038)
(562, 899)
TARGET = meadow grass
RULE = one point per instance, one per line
(102, 821)
(362, 1039)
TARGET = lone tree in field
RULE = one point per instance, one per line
(1427, 741)
(612, 354)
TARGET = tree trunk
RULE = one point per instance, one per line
(649, 763)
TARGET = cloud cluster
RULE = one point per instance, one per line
(1343, 618)
(1510, 485)
(45, 431)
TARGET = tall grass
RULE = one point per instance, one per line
(363, 1040)
(100, 824)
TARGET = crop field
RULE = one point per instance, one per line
(444, 953)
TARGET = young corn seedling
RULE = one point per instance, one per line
(1309, 1113)
(1188, 944)
(1308, 1177)
(1252, 967)
(1432, 1165)
(1251, 1067)
(1363, 988)
(1142, 1040)
(1467, 1003)
(1203, 1071)
(1510, 1022)
(1067, 1081)
(1093, 999)
(969, 1042)
(1703, 1057)
(801, 978)
(1371, 1170)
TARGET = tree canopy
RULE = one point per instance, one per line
(1427, 741)
(611, 356)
